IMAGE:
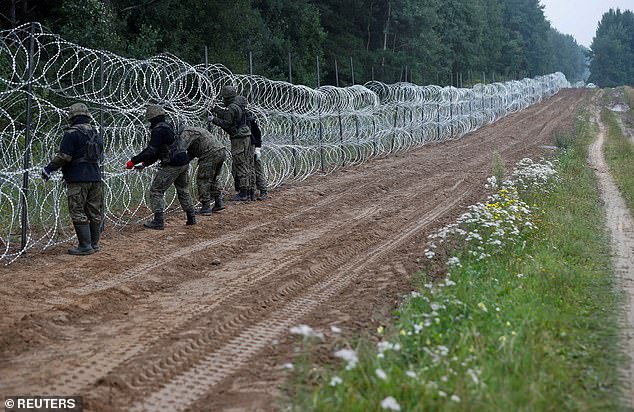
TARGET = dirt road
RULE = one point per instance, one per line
(197, 317)
(620, 225)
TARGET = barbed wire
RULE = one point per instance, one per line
(306, 131)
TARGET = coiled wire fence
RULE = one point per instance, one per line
(306, 131)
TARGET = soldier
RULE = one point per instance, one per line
(80, 152)
(211, 156)
(259, 178)
(233, 120)
(165, 146)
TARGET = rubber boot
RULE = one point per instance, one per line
(263, 195)
(252, 196)
(83, 236)
(205, 209)
(242, 196)
(191, 217)
(157, 223)
(218, 204)
(95, 234)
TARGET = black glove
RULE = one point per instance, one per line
(46, 174)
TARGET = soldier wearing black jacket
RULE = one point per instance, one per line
(80, 152)
(173, 169)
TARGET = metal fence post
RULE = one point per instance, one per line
(27, 140)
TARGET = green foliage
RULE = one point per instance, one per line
(89, 23)
(612, 50)
(423, 42)
(619, 154)
(497, 167)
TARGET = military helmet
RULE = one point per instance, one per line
(78, 109)
(152, 111)
(228, 92)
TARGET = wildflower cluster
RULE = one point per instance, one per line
(503, 220)
(427, 356)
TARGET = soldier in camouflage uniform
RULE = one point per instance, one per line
(80, 152)
(211, 156)
(232, 119)
(173, 169)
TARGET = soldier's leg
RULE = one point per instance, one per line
(182, 190)
(240, 154)
(93, 208)
(216, 188)
(203, 180)
(77, 194)
(162, 181)
(260, 179)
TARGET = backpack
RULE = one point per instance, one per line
(92, 151)
(178, 148)
(256, 133)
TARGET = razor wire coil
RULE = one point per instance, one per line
(305, 131)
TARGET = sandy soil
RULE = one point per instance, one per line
(197, 318)
(621, 228)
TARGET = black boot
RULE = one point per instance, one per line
(263, 195)
(242, 196)
(191, 217)
(95, 234)
(205, 209)
(157, 223)
(83, 235)
(252, 195)
(218, 204)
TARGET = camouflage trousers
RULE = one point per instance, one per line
(208, 176)
(242, 162)
(259, 177)
(84, 202)
(165, 176)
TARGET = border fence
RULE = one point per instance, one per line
(306, 131)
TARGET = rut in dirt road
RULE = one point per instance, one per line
(621, 228)
(177, 317)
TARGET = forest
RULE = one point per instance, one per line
(612, 51)
(420, 41)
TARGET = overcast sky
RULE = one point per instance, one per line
(579, 18)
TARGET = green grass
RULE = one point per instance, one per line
(531, 328)
(619, 154)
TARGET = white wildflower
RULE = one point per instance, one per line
(390, 404)
(306, 331)
(335, 380)
(348, 355)
(380, 373)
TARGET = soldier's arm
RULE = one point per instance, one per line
(65, 154)
(229, 119)
(150, 154)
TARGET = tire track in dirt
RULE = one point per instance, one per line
(177, 356)
(180, 391)
(620, 224)
(224, 300)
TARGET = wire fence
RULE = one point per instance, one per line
(305, 130)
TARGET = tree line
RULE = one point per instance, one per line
(421, 41)
(612, 50)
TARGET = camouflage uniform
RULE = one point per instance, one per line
(232, 120)
(211, 156)
(82, 176)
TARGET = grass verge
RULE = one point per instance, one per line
(619, 154)
(523, 318)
